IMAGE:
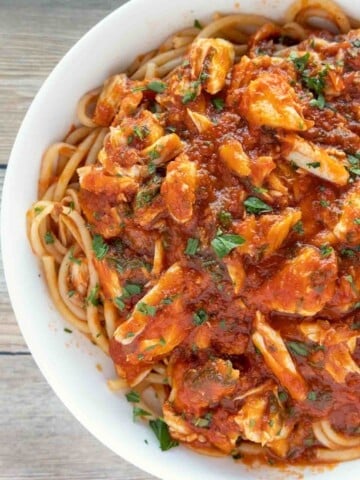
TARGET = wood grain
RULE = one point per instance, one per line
(39, 438)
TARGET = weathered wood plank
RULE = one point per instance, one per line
(39, 439)
(34, 36)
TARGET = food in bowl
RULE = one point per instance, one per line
(201, 226)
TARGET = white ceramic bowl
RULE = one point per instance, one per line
(68, 361)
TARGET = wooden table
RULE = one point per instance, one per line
(39, 438)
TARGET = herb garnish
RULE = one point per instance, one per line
(161, 430)
(218, 103)
(298, 228)
(93, 297)
(100, 248)
(146, 309)
(191, 246)
(49, 239)
(156, 86)
(200, 316)
(224, 243)
(256, 206)
(132, 396)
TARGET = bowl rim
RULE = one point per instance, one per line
(126, 452)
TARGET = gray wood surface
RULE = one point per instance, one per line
(39, 438)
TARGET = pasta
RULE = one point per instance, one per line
(201, 225)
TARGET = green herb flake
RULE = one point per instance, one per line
(356, 325)
(347, 252)
(130, 289)
(298, 228)
(326, 250)
(318, 102)
(130, 335)
(203, 422)
(256, 206)
(141, 132)
(153, 154)
(223, 244)
(218, 103)
(38, 210)
(119, 302)
(252, 423)
(93, 297)
(151, 167)
(71, 293)
(130, 139)
(161, 431)
(324, 203)
(300, 63)
(191, 246)
(200, 316)
(146, 309)
(357, 221)
(225, 218)
(100, 248)
(140, 412)
(49, 239)
(72, 258)
(313, 164)
(299, 348)
(309, 442)
(156, 86)
(132, 396)
(312, 396)
(356, 43)
(283, 396)
(67, 330)
(197, 24)
(145, 197)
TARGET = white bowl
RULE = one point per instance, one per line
(68, 361)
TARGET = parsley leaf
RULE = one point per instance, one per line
(318, 102)
(93, 297)
(132, 396)
(300, 63)
(130, 289)
(192, 93)
(225, 218)
(326, 250)
(146, 309)
(156, 86)
(49, 239)
(312, 396)
(200, 316)
(139, 412)
(161, 430)
(313, 164)
(224, 243)
(203, 422)
(141, 132)
(256, 206)
(67, 330)
(218, 103)
(119, 302)
(197, 24)
(324, 203)
(299, 348)
(72, 258)
(191, 246)
(99, 246)
(299, 228)
(357, 221)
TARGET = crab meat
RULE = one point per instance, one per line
(178, 427)
(94, 179)
(234, 157)
(108, 279)
(314, 159)
(303, 285)
(164, 149)
(269, 100)
(340, 343)
(79, 275)
(178, 188)
(236, 271)
(128, 106)
(261, 168)
(212, 58)
(277, 358)
(261, 418)
(267, 233)
(114, 90)
(201, 122)
(348, 227)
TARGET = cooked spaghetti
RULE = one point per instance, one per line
(202, 226)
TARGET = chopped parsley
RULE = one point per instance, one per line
(146, 309)
(153, 154)
(324, 203)
(132, 396)
(313, 164)
(71, 293)
(300, 63)
(161, 431)
(224, 243)
(203, 422)
(151, 167)
(354, 161)
(225, 218)
(141, 132)
(119, 302)
(49, 239)
(312, 396)
(298, 228)
(218, 103)
(93, 297)
(38, 210)
(156, 86)
(191, 93)
(356, 43)
(67, 330)
(191, 246)
(347, 252)
(139, 412)
(326, 250)
(72, 258)
(197, 24)
(299, 348)
(256, 206)
(318, 102)
(357, 221)
(200, 316)
(128, 290)
(100, 248)
(144, 197)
